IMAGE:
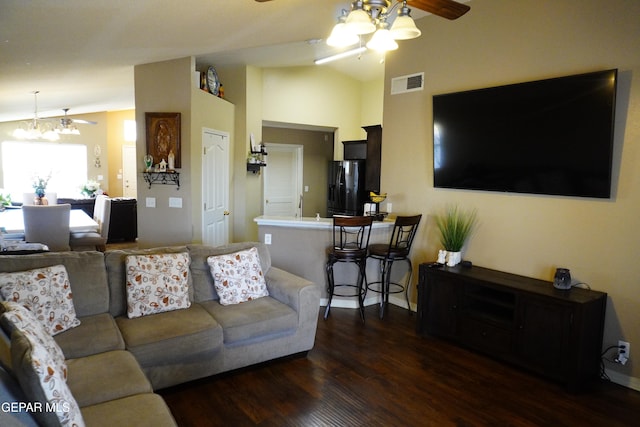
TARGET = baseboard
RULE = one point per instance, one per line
(352, 302)
(623, 380)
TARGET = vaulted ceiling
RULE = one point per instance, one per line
(80, 54)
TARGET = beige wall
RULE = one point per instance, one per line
(317, 153)
(504, 42)
(317, 96)
(115, 141)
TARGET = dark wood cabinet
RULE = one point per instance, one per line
(374, 157)
(523, 321)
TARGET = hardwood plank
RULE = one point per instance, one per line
(382, 373)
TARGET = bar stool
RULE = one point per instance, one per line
(350, 242)
(398, 248)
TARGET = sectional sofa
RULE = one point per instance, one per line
(127, 344)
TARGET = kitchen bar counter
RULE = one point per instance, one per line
(299, 245)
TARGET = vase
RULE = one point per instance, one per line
(40, 201)
(453, 258)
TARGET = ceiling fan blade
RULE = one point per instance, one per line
(445, 8)
(86, 122)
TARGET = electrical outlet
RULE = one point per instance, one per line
(267, 239)
(624, 352)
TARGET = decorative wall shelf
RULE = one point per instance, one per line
(255, 167)
(170, 178)
(258, 160)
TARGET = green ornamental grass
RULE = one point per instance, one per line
(455, 226)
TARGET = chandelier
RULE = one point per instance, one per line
(36, 128)
(371, 16)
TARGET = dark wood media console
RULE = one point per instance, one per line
(517, 319)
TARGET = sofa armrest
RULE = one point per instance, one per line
(298, 293)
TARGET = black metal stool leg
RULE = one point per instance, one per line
(330, 288)
(407, 285)
(362, 278)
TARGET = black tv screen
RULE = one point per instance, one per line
(551, 136)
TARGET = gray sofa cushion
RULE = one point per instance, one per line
(142, 410)
(117, 275)
(202, 279)
(259, 318)
(161, 339)
(86, 271)
(96, 334)
(105, 376)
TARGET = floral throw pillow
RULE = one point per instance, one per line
(20, 318)
(46, 292)
(238, 277)
(42, 382)
(157, 283)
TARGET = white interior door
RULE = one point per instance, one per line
(283, 180)
(129, 166)
(215, 187)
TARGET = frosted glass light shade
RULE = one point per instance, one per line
(341, 36)
(359, 22)
(404, 28)
(382, 41)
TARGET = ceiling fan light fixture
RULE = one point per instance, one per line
(404, 27)
(359, 21)
(35, 128)
(382, 40)
(340, 35)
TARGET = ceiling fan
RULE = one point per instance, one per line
(445, 8)
(67, 124)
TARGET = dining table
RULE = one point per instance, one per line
(12, 223)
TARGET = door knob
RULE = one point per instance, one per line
(226, 213)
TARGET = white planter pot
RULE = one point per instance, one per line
(453, 258)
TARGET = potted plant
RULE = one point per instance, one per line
(40, 188)
(455, 226)
(5, 200)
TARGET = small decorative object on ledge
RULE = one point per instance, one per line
(148, 162)
(168, 177)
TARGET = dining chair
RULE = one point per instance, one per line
(47, 224)
(398, 248)
(95, 240)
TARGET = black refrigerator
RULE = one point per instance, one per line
(346, 194)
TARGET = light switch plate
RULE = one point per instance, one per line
(175, 202)
(150, 202)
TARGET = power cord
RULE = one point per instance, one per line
(603, 374)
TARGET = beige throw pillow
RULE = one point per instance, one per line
(18, 317)
(238, 276)
(157, 283)
(46, 292)
(42, 381)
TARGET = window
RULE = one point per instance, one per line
(23, 161)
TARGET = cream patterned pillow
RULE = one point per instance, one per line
(19, 317)
(42, 381)
(157, 283)
(46, 292)
(238, 277)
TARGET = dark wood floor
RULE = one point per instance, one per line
(382, 374)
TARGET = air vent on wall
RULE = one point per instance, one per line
(408, 83)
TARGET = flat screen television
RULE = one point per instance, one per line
(552, 136)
